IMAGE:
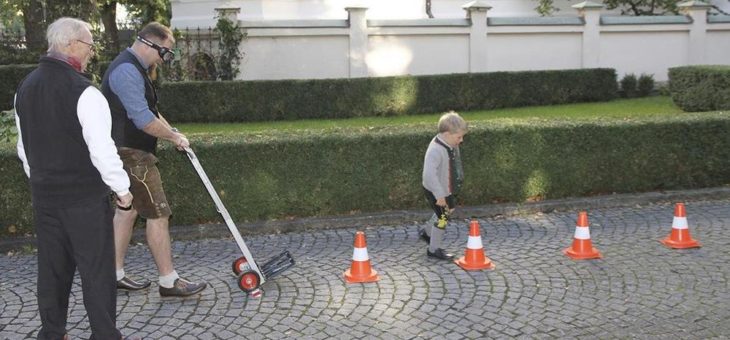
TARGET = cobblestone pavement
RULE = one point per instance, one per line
(639, 290)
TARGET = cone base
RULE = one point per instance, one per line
(487, 264)
(372, 277)
(593, 253)
(680, 244)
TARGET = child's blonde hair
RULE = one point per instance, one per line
(452, 122)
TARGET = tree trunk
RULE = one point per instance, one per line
(111, 33)
(35, 26)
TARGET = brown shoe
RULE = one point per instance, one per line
(183, 287)
(128, 284)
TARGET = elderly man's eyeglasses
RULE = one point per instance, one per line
(92, 47)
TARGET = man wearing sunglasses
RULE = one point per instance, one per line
(136, 127)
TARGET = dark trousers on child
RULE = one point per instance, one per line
(437, 227)
(80, 237)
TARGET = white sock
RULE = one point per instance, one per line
(120, 274)
(168, 281)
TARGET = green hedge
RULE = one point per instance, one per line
(243, 101)
(280, 175)
(10, 77)
(700, 88)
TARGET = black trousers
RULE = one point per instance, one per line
(79, 237)
(440, 212)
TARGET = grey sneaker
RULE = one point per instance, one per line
(183, 287)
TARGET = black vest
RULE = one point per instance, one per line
(124, 132)
(61, 172)
(456, 170)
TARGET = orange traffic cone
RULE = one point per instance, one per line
(582, 248)
(679, 237)
(360, 270)
(474, 258)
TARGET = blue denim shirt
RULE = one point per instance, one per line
(126, 82)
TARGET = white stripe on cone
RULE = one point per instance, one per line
(582, 233)
(360, 254)
(680, 223)
(474, 242)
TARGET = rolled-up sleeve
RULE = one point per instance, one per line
(127, 83)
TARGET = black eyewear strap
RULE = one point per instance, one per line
(165, 53)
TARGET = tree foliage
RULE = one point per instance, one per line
(229, 44)
(36, 15)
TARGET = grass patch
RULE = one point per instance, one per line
(624, 108)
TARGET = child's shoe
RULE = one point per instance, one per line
(440, 254)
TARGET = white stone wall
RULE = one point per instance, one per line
(188, 13)
(369, 44)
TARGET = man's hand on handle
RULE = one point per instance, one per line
(125, 202)
(181, 142)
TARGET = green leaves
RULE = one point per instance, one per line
(7, 126)
(229, 44)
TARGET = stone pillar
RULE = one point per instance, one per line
(697, 10)
(358, 41)
(591, 51)
(476, 11)
(230, 13)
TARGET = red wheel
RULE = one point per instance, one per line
(240, 265)
(249, 281)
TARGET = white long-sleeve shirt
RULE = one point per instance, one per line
(96, 123)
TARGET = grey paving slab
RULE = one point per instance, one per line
(639, 290)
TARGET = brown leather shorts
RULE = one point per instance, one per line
(145, 183)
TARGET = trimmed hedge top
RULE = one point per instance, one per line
(246, 101)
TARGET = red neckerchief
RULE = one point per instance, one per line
(68, 59)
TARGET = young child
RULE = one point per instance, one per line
(442, 179)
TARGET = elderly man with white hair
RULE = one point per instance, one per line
(65, 144)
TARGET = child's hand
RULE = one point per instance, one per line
(441, 202)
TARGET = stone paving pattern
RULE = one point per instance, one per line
(640, 289)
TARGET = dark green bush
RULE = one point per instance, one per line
(10, 55)
(700, 88)
(645, 85)
(7, 126)
(278, 175)
(242, 101)
(628, 85)
(10, 77)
